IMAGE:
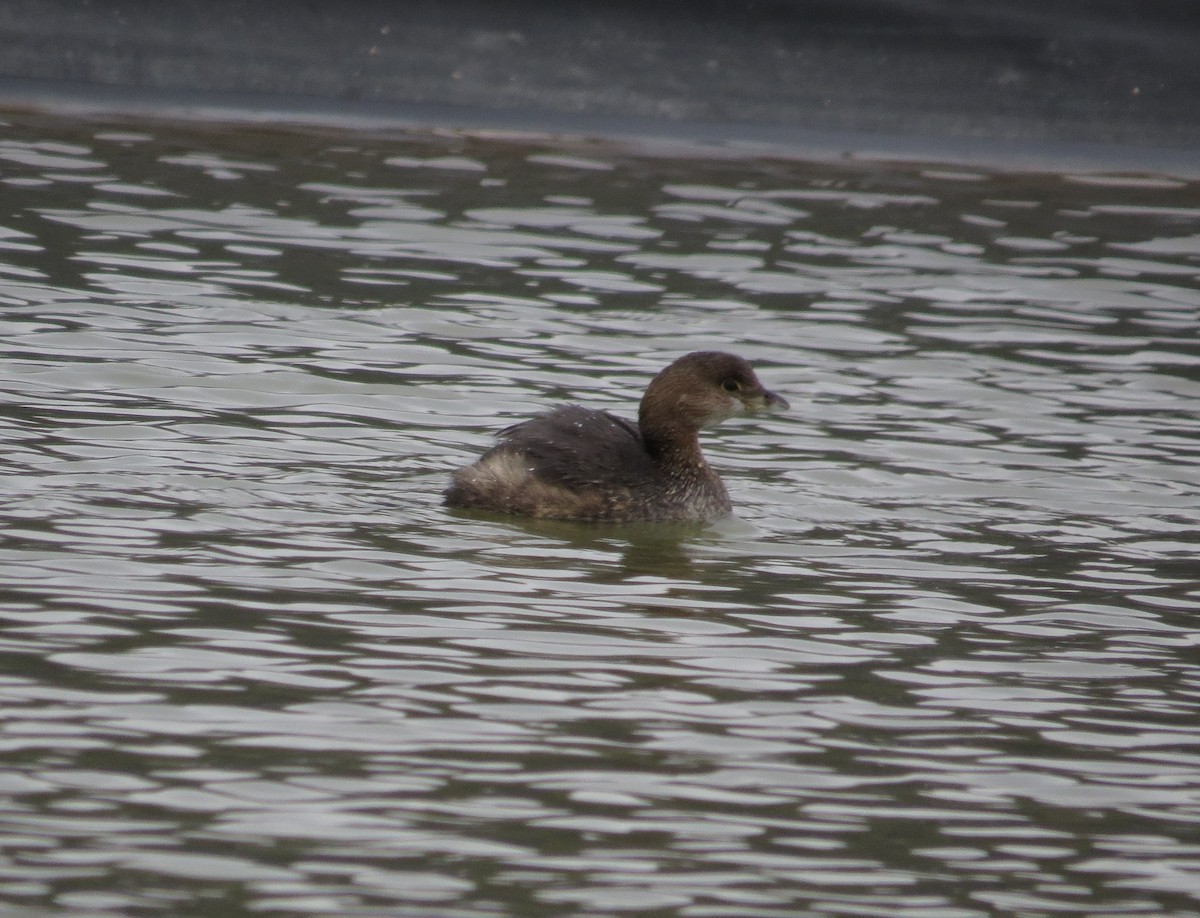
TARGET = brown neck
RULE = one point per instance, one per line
(675, 447)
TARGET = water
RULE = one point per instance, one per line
(942, 663)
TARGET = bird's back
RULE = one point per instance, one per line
(569, 463)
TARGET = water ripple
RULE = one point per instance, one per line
(941, 664)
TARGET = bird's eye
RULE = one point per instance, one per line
(731, 385)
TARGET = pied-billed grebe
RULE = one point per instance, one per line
(577, 463)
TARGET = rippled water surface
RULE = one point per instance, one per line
(942, 664)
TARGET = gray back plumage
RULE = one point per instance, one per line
(579, 447)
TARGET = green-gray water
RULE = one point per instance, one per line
(942, 664)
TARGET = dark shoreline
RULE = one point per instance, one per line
(1088, 85)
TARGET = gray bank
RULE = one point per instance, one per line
(1116, 82)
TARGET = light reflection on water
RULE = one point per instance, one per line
(942, 663)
